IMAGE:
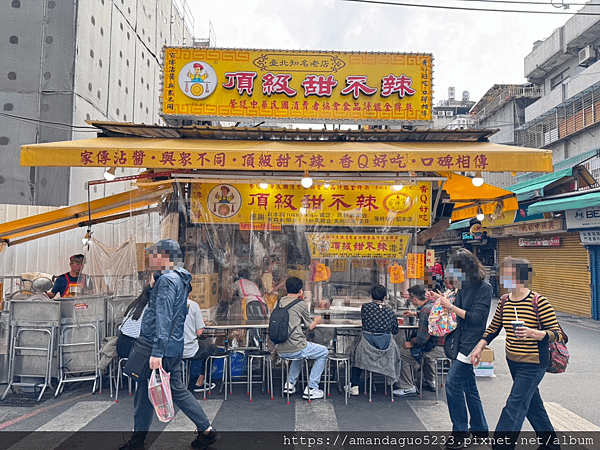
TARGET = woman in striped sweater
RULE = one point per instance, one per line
(527, 354)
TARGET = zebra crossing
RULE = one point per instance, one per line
(412, 414)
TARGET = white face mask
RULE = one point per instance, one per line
(508, 283)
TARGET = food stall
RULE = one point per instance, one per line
(340, 209)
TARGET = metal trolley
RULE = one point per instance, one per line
(81, 331)
(33, 328)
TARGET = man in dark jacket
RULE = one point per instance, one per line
(163, 325)
(431, 347)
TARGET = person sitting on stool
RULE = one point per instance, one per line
(195, 348)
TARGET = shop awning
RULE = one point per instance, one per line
(468, 198)
(287, 155)
(460, 224)
(562, 204)
(537, 186)
(102, 210)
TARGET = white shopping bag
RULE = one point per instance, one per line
(159, 392)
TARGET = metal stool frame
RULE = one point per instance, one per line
(226, 357)
(369, 375)
(266, 365)
(338, 358)
(119, 380)
(439, 365)
(286, 362)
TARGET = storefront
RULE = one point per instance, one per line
(559, 261)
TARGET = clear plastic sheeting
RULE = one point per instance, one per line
(111, 271)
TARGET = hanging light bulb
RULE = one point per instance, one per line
(480, 215)
(264, 185)
(303, 210)
(87, 237)
(109, 175)
(326, 185)
(397, 186)
(478, 180)
(306, 181)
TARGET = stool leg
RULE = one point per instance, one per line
(250, 375)
(370, 385)
(271, 376)
(225, 371)
(287, 375)
(230, 376)
(347, 373)
(207, 374)
(307, 379)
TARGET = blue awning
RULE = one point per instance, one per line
(562, 204)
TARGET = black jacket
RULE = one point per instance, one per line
(475, 299)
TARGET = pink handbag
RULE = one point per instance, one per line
(159, 392)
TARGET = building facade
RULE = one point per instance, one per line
(66, 62)
(447, 111)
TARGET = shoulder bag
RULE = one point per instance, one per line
(559, 354)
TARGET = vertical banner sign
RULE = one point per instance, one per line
(430, 257)
(291, 204)
(415, 266)
(377, 88)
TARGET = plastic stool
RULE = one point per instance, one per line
(266, 364)
(337, 358)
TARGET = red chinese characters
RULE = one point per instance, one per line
(277, 84)
(319, 85)
(243, 81)
(357, 85)
(393, 84)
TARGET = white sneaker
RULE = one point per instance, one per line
(289, 388)
(352, 390)
(405, 392)
(314, 393)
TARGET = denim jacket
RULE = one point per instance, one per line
(168, 303)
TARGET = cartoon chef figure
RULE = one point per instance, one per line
(225, 196)
(199, 73)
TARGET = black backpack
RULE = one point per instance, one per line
(279, 323)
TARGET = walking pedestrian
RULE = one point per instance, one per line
(527, 354)
(471, 306)
(163, 325)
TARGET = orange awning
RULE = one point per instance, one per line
(102, 210)
(467, 198)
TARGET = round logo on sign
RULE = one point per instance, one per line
(224, 201)
(579, 214)
(197, 80)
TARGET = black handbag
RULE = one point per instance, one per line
(452, 344)
(138, 363)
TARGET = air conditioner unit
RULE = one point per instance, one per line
(587, 56)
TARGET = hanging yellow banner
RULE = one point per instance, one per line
(415, 266)
(342, 245)
(296, 85)
(288, 204)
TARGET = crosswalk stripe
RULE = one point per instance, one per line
(63, 426)
(318, 415)
(565, 420)
(433, 416)
(181, 422)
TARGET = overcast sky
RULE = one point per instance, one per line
(472, 51)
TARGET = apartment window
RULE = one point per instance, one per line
(559, 79)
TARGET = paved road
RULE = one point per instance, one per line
(572, 401)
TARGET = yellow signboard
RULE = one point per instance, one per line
(415, 266)
(342, 245)
(296, 85)
(291, 204)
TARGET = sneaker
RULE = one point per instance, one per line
(289, 388)
(314, 393)
(352, 390)
(131, 446)
(405, 392)
(455, 443)
(205, 387)
(205, 440)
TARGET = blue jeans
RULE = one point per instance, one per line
(462, 393)
(144, 411)
(311, 351)
(525, 401)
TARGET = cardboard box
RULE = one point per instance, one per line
(205, 290)
(485, 368)
(141, 255)
(487, 355)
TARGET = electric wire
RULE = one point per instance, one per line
(517, 2)
(460, 8)
(50, 124)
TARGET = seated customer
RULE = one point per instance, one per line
(421, 345)
(297, 346)
(194, 349)
(378, 324)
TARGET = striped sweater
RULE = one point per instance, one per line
(524, 350)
